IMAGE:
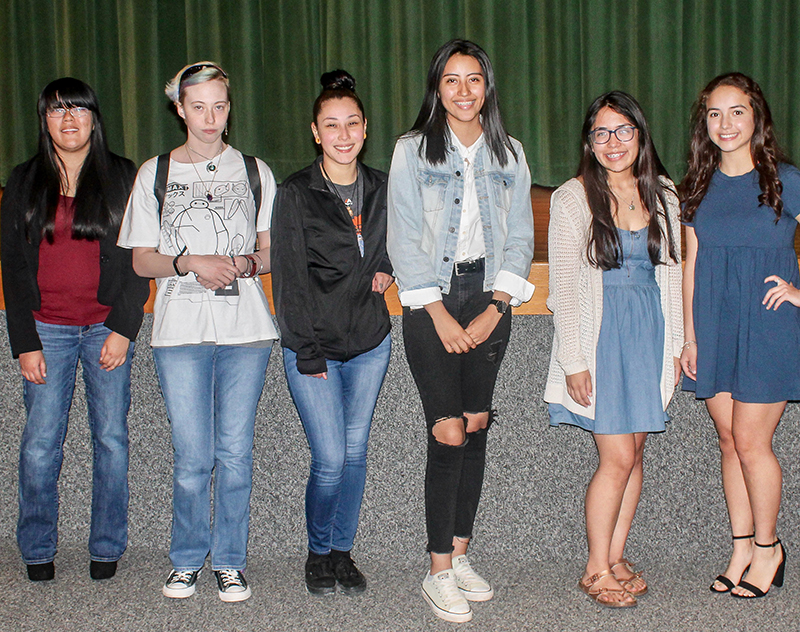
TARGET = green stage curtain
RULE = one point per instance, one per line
(551, 57)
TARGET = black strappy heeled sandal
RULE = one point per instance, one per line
(777, 581)
(729, 585)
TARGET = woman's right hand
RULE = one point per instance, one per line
(213, 271)
(689, 360)
(579, 387)
(33, 366)
(453, 336)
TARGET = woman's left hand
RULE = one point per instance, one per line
(381, 282)
(483, 324)
(783, 291)
(114, 351)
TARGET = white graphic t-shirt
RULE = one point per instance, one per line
(205, 212)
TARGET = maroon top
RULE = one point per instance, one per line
(69, 275)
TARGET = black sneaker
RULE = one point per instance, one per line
(102, 570)
(350, 579)
(180, 584)
(41, 572)
(320, 579)
(232, 585)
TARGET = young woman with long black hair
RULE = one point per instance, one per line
(460, 238)
(615, 294)
(71, 294)
(741, 206)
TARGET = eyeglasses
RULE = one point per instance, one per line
(601, 136)
(193, 70)
(75, 112)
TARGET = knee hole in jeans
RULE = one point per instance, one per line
(450, 431)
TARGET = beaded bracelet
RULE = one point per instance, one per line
(687, 343)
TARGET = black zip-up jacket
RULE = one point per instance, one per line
(322, 286)
(120, 287)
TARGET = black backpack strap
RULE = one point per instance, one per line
(254, 177)
(160, 185)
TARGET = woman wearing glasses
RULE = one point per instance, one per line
(71, 294)
(198, 221)
(615, 293)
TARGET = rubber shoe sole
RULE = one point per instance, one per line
(444, 614)
(477, 596)
(232, 597)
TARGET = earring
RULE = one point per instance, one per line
(317, 140)
(226, 129)
(365, 135)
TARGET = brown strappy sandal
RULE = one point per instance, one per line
(596, 595)
(632, 582)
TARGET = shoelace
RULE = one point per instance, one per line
(230, 578)
(449, 591)
(181, 577)
(466, 574)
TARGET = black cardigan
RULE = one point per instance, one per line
(120, 287)
(321, 285)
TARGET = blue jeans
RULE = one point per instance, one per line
(211, 393)
(337, 414)
(108, 396)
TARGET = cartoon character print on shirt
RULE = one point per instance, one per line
(193, 224)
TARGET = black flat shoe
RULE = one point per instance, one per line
(41, 572)
(102, 570)
(777, 580)
(350, 579)
(320, 579)
(729, 585)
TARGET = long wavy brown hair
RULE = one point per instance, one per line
(705, 156)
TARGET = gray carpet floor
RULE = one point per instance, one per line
(529, 538)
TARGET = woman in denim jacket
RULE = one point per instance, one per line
(460, 238)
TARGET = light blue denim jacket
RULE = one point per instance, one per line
(424, 205)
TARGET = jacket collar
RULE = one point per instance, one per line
(317, 180)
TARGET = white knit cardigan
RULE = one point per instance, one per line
(576, 297)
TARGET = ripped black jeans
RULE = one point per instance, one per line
(451, 385)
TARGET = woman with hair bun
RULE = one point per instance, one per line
(742, 352)
(71, 294)
(330, 271)
(198, 221)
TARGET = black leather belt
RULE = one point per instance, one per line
(468, 267)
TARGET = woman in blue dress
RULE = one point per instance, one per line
(615, 293)
(741, 200)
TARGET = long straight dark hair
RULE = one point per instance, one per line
(705, 156)
(431, 121)
(604, 250)
(99, 198)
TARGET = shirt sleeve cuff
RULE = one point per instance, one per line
(520, 289)
(420, 297)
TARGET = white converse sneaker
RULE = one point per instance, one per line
(445, 599)
(473, 586)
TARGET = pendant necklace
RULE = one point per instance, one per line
(351, 205)
(210, 167)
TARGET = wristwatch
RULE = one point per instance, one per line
(502, 306)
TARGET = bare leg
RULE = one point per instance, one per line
(604, 498)
(630, 501)
(720, 407)
(753, 428)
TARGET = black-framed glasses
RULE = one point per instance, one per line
(601, 135)
(61, 112)
(193, 70)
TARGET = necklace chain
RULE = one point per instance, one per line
(210, 187)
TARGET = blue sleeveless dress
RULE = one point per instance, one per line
(630, 349)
